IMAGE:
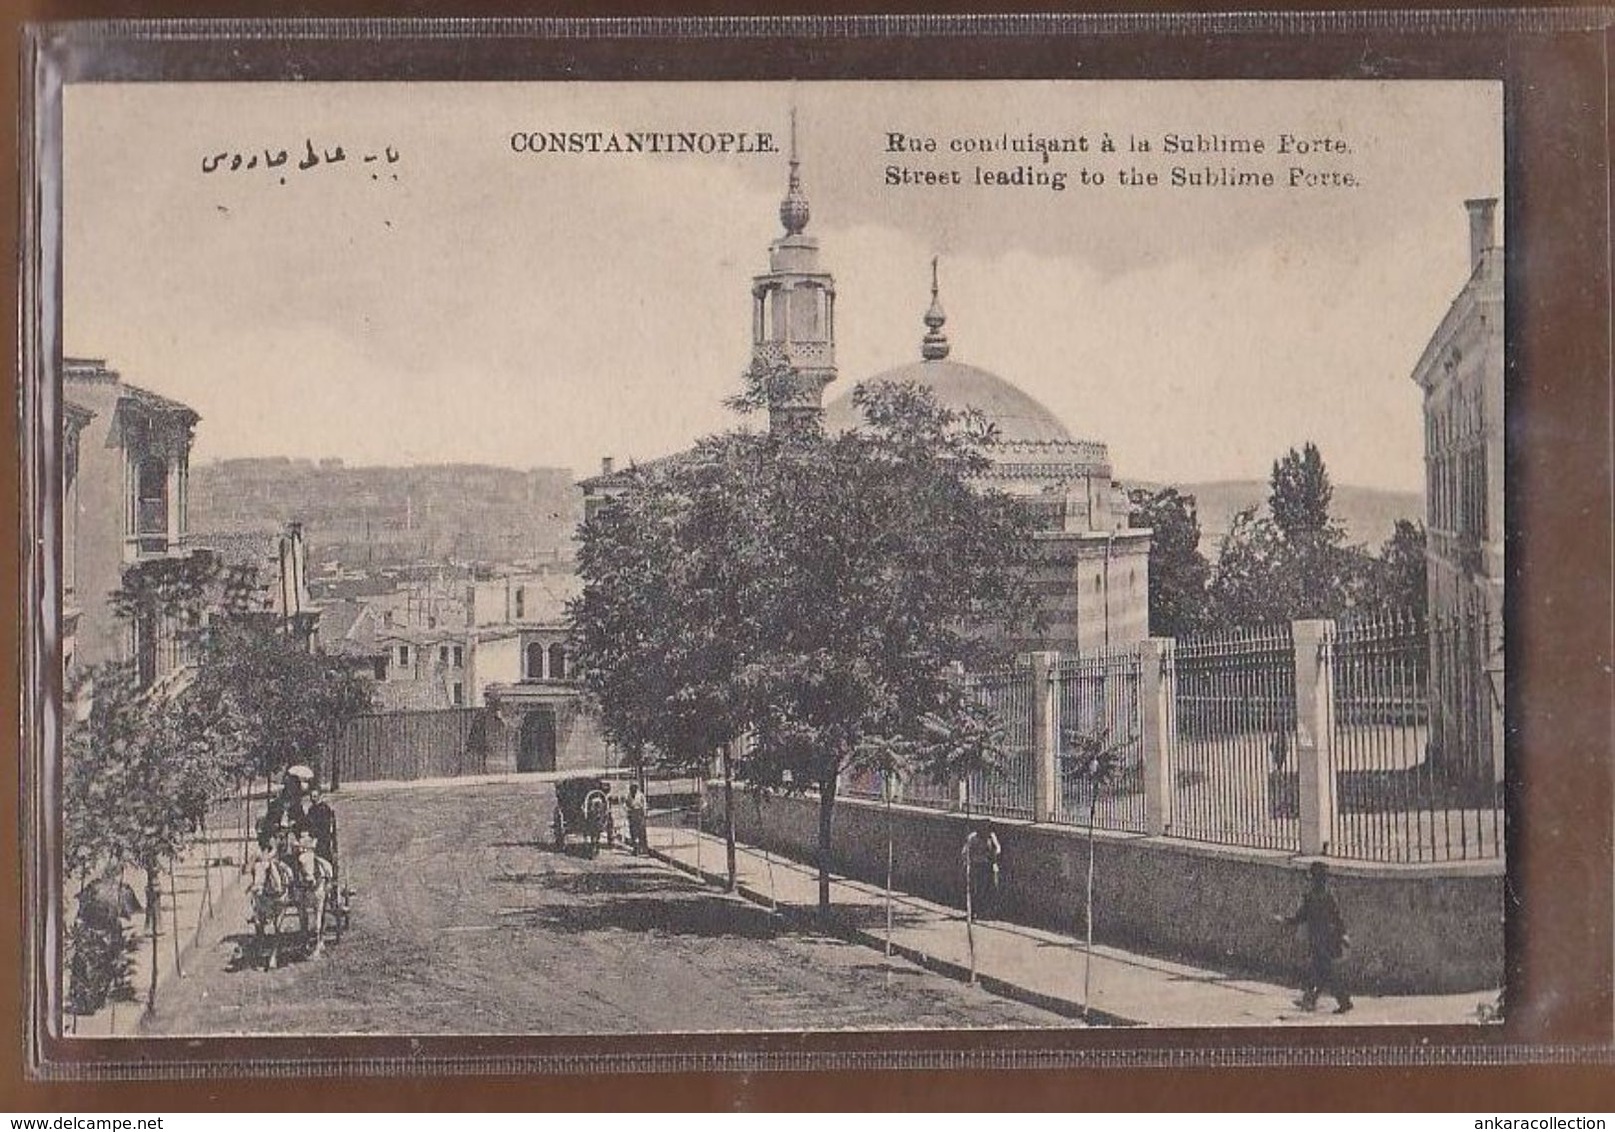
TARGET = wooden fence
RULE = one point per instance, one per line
(411, 744)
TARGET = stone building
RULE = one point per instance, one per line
(414, 640)
(538, 720)
(1461, 374)
(125, 503)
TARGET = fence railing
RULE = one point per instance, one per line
(1009, 788)
(1404, 789)
(1230, 738)
(1375, 739)
(1098, 706)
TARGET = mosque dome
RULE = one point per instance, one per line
(1020, 419)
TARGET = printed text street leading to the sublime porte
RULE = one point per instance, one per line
(1055, 162)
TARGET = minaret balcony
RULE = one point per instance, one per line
(808, 355)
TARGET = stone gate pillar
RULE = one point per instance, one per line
(1045, 735)
(1314, 731)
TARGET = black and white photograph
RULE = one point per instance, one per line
(642, 558)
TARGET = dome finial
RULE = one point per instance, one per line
(793, 210)
(935, 345)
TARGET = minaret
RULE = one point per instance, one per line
(934, 347)
(793, 317)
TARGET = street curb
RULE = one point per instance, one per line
(959, 972)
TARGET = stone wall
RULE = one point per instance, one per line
(1415, 929)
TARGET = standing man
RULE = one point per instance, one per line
(320, 821)
(636, 820)
(1326, 941)
(981, 853)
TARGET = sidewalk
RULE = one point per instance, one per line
(207, 887)
(1044, 968)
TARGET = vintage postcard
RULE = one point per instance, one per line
(714, 557)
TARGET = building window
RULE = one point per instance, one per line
(557, 662)
(535, 661)
(151, 504)
(459, 656)
(458, 692)
(403, 656)
(521, 603)
(380, 665)
(443, 655)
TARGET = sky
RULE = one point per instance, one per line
(455, 300)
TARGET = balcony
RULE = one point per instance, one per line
(807, 354)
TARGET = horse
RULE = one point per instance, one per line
(313, 877)
(299, 882)
(596, 819)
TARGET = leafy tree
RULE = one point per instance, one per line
(1293, 563)
(1255, 580)
(1179, 573)
(814, 593)
(281, 702)
(662, 633)
(142, 767)
(1301, 494)
(884, 560)
(1397, 579)
(139, 774)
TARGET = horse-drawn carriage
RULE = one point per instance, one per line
(583, 807)
(296, 873)
(297, 884)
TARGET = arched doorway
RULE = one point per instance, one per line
(535, 743)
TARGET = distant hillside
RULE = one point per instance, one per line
(376, 516)
(1368, 514)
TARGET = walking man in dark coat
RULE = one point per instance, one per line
(1326, 941)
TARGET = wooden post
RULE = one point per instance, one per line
(173, 915)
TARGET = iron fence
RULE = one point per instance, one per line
(1230, 738)
(1408, 734)
(1005, 790)
(1100, 709)
(1411, 739)
(933, 793)
(1010, 788)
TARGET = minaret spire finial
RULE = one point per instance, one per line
(793, 210)
(934, 347)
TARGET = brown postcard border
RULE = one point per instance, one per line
(1557, 177)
